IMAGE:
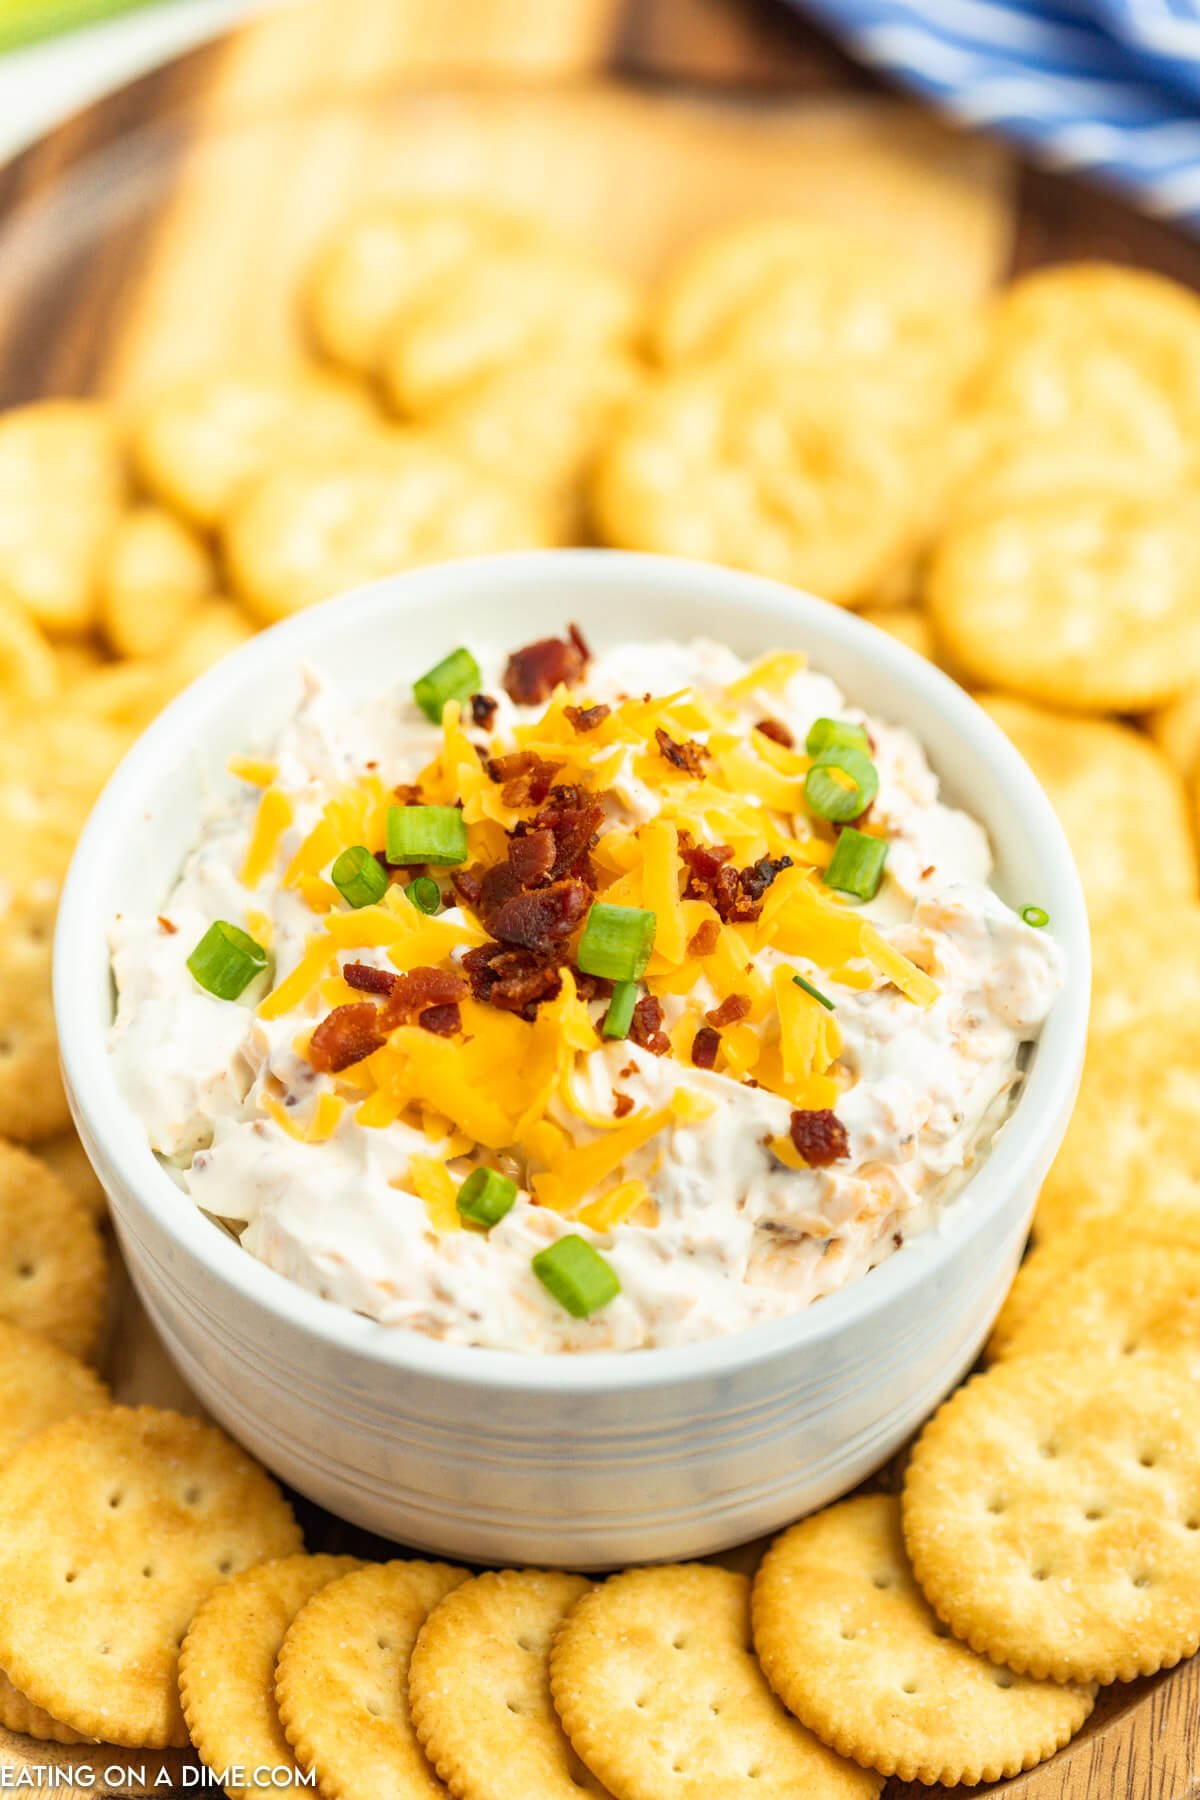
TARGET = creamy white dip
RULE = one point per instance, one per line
(738, 1237)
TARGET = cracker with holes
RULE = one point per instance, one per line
(310, 529)
(20, 1714)
(52, 766)
(342, 1681)
(197, 444)
(479, 1689)
(656, 1683)
(1112, 790)
(156, 572)
(52, 1263)
(114, 1527)
(1162, 942)
(32, 1101)
(1052, 1516)
(40, 1384)
(62, 486)
(66, 1156)
(227, 1665)
(851, 1646)
(1131, 1145)
(1140, 1300)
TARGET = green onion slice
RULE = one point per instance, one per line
(619, 1016)
(456, 676)
(425, 894)
(835, 734)
(226, 960)
(358, 877)
(816, 993)
(856, 866)
(485, 1196)
(1037, 916)
(426, 834)
(840, 784)
(616, 941)
(577, 1276)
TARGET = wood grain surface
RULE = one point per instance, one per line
(165, 229)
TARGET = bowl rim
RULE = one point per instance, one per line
(1013, 1160)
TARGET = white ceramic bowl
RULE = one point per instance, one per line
(587, 1460)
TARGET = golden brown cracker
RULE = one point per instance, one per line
(787, 478)
(380, 264)
(200, 443)
(907, 624)
(39, 1384)
(53, 1268)
(342, 1680)
(1145, 959)
(1175, 728)
(656, 1683)
(505, 305)
(33, 1104)
(1052, 1514)
(1141, 1299)
(62, 486)
(227, 1665)
(52, 766)
(19, 1714)
(1131, 1147)
(310, 530)
(852, 1647)
(70, 1162)
(1113, 793)
(114, 1527)
(1087, 601)
(28, 670)
(155, 574)
(479, 1689)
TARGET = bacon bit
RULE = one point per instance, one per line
(688, 756)
(408, 793)
(369, 979)
(736, 895)
(516, 981)
(468, 885)
(166, 925)
(417, 990)
(705, 1045)
(483, 711)
(531, 855)
(347, 1035)
(526, 778)
(778, 734)
(443, 1021)
(586, 718)
(729, 1012)
(930, 869)
(533, 673)
(592, 987)
(705, 938)
(630, 1068)
(646, 1028)
(622, 1105)
(574, 817)
(820, 1137)
(535, 921)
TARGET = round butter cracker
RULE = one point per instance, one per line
(1051, 1512)
(40, 1384)
(114, 1526)
(53, 1269)
(1142, 1299)
(227, 1665)
(851, 1646)
(479, 1689)
(656, 1682)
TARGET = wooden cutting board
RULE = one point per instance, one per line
(165, 228)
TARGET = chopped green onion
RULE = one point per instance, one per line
(835, 734)
(1037, 916)
(456, 676)
(426, 834)
(358, 877)
(485, 1196)
(577, 1276)
(616, 942)
(840, 784)
(424, 893)
(226, 960)
(816, 993)
(856, 866)
(619, 1016)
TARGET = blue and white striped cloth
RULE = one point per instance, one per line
(1104, 88)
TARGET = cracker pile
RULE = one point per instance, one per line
(1012, 489)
